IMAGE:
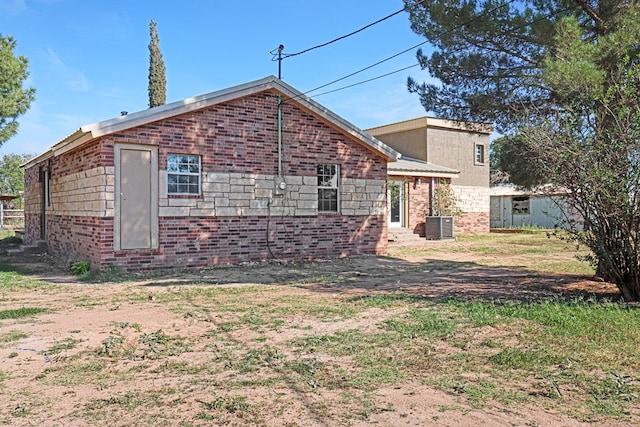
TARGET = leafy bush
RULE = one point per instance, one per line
(80, 267)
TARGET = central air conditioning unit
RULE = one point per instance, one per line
(438, 227)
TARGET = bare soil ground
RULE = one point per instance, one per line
(64, 371)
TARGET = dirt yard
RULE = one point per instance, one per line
(234, 346)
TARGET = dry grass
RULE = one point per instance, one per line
(483, 326)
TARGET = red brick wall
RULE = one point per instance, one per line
(418, 204)
(32, 230)
(237, 136)
(221, 240)
(472, 222)
(241, 136)
(208, 241)
(85, 158)
(76, 238)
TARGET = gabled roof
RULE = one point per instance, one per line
(414, 167)
(90, 132)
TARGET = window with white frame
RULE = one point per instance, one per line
(328, 181)
(479, 154)
(183, 174)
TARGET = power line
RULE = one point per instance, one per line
(289, 55)
(409, 49)
(368, 67)
(413, 47)
(366, 81)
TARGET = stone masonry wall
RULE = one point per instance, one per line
(83, 193)
(235, 219)
(240, 194)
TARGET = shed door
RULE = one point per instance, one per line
(136, 221)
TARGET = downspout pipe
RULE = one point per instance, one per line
(280, 49)
(280, 136)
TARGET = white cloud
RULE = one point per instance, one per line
(73, 79)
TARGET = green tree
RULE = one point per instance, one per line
(14, 99)
(512, 161)
(490, 54)
(12, 175)
(591, 148)
(157, 72)
(561, 80)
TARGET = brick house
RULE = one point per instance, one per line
(435, 152)
(246, 173)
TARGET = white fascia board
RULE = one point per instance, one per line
(175, 108)
(95, 130)
(423, 174)
(40, 157)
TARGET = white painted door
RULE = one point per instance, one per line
(136, 216)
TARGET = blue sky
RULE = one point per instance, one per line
(89, 59)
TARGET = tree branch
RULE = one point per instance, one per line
(589, 11)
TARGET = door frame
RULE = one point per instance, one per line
(117, 193)
(45, 200)
(401, 202)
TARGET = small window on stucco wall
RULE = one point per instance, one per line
(328, 181)
(183, 174)
(479, 154)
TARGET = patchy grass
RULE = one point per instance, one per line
(12, 280)
(62, 345)
(8, 338)
(241, 354)
(539, 251)
(20, 313)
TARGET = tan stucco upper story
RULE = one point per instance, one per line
(461, 146)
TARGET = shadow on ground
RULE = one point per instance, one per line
(429, 278)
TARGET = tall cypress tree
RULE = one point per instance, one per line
(157, 72)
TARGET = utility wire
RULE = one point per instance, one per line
(400, 53)
(549, 15)
(366, 81)
(289, 55)
(368, 67)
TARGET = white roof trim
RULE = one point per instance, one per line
(408, 166)
(95, 130)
